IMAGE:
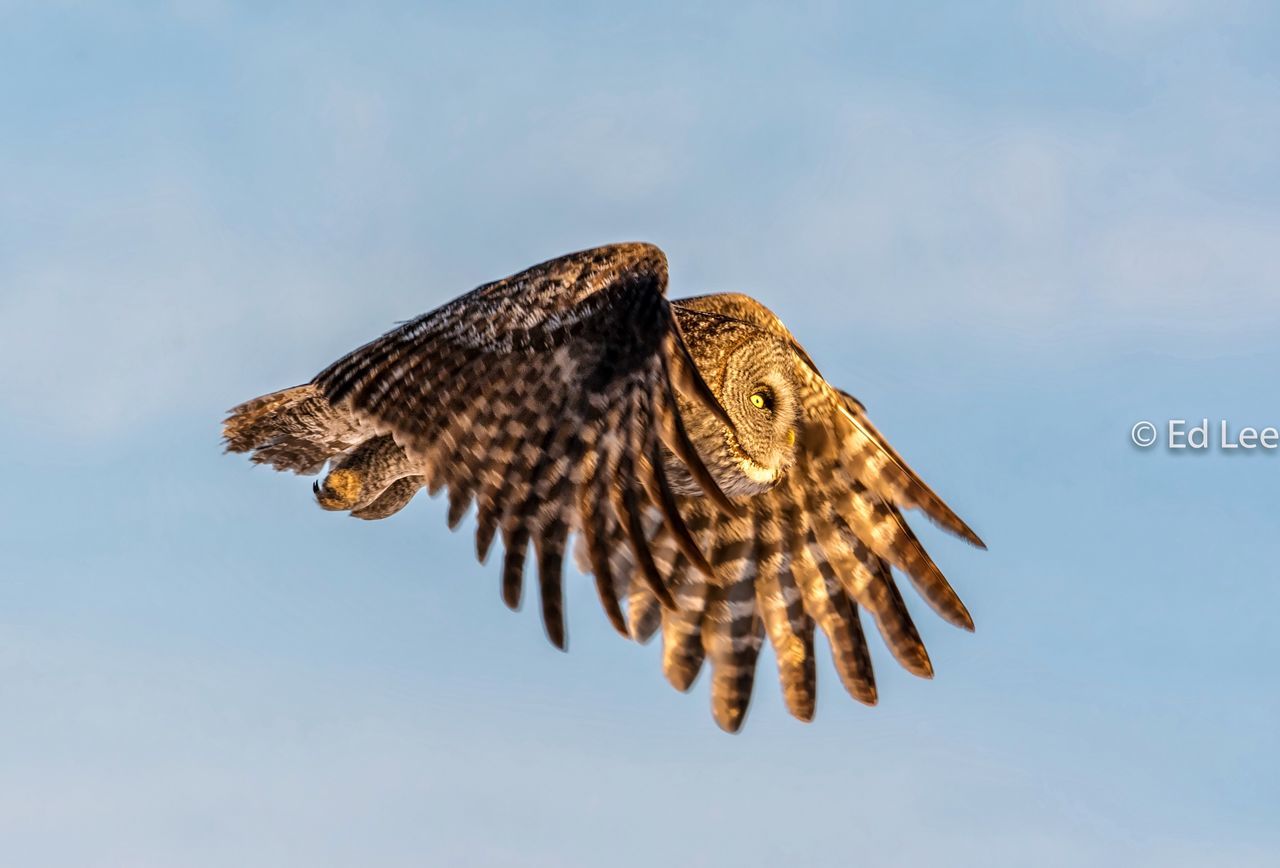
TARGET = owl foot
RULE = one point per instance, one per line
(372, 481)
(341, 489)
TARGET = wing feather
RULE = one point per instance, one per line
(682, 653)
(893, 477)
(732, 630)
(789, 628)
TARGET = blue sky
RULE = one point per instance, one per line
(1012, 230)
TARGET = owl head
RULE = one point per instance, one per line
(759, 390)
(753, 374)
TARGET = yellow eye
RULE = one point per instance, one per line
(760, 401)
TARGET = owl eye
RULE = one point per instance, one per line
(762, 400)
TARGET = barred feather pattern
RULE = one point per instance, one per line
(568, 401)
(547, 402)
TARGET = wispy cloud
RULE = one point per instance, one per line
(154, 279)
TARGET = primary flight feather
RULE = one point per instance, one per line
(720, 490)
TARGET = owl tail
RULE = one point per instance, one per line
(294, 429)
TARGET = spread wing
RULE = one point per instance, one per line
(544, 400)
(810, 553)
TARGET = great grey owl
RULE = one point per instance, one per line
(718, 487)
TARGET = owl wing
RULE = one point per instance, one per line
(809, 553)
(544, 399)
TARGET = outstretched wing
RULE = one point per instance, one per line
(544, 399)
(810, 552)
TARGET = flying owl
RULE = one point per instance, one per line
(718, 488)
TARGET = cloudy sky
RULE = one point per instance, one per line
(1012, 231)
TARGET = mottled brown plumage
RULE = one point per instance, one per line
(720, 490)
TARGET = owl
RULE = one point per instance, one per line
(717, 488)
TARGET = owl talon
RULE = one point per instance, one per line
(341, 490)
